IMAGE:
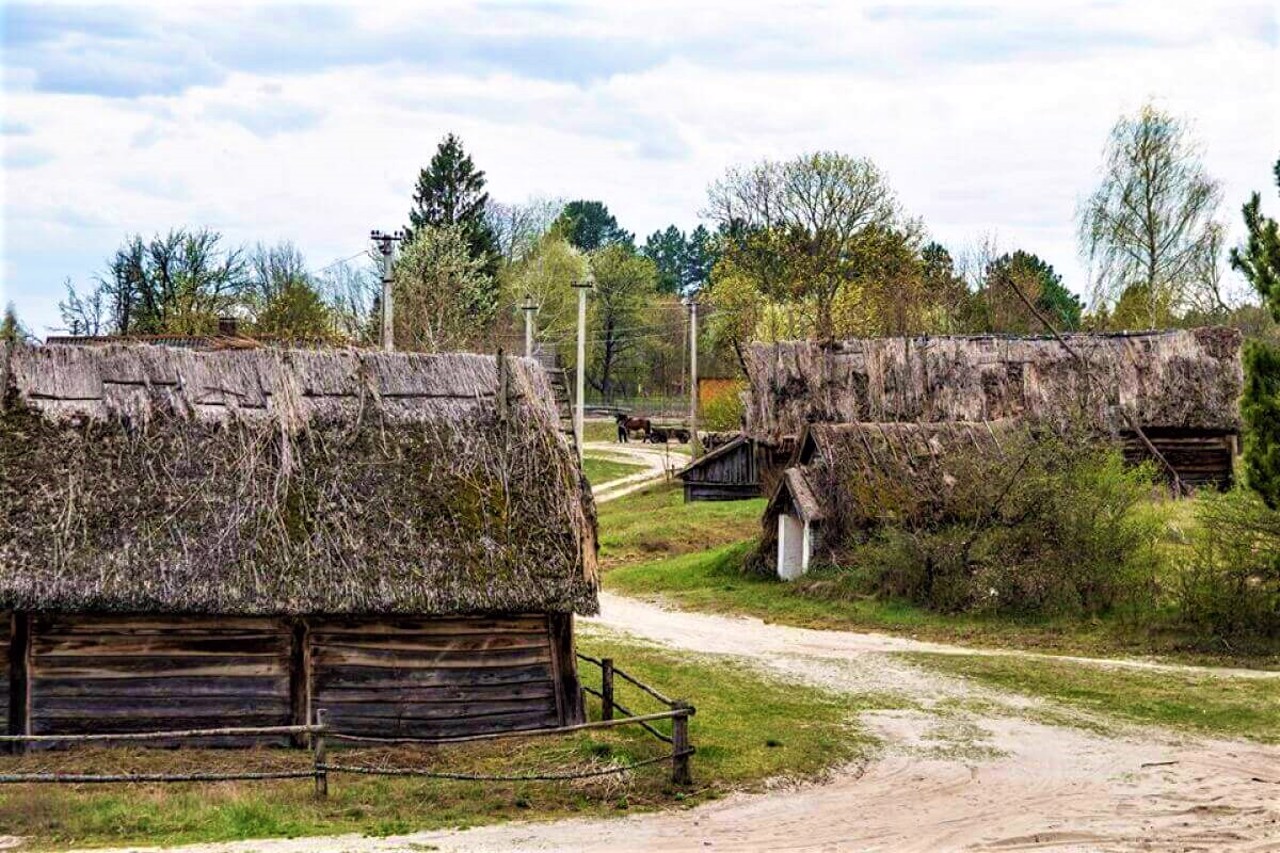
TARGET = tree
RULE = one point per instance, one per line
(548, 275)
(518, 228)
(178, 283)
(444, 299)
(353, 296)
(451, 192)
(624, 284)
(669, 253)
(1259, 261)
(946, 287)
(1004, 311)
(11, 329)
(702, 251)
(1149, 226)
(588, 225)
(792, 226)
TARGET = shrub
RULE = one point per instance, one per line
(1048, 528)
(724, 411)
(1230, 582)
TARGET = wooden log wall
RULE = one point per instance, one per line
(129, 674)
(434, 677)
(424, 677)
(1201, 457)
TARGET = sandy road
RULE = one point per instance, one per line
(657, 460)
(989, 779)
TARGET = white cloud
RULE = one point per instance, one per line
(291, 124)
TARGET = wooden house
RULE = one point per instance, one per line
(196, 539)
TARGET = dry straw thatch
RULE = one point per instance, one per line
(142, 478)
(1185, 379)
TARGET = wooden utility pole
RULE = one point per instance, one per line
(692, 302)
(386, 247)
(582, 285)
(529, 307)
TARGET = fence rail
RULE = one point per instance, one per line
(321, 734)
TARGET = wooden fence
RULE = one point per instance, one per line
(321, 734)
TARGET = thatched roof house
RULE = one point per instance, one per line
(376, 533)
(851, 475)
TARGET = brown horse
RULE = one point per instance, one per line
(628, 425)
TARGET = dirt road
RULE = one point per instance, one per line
(658, 460)
(987, 777)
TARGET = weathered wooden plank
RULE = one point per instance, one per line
(569, 702)
(432, 643)
(433, 711)
(123, 725)
(364, 626)
(352, 656)
(541, 689)
(380, 677)
(109, 709)
(442, 728)
(157, 646)
(67, 625)
(253, 687)
(130, 667)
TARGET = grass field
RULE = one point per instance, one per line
(711, 581)
(656, 522)
(601, 470)
(745, 730)
(1205, 704)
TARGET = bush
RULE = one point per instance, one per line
(724, 412)
(1054, 532)
(1230, 583)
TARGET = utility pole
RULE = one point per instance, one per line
(582, 285)
(692, 302)
(528, 306)
(386, 246)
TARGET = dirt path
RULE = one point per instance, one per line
(656, 459)
(987, 778)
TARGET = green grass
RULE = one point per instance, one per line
(656, 522)
(602, 470)
(1206, 704)
(712, 582)
(747, 729)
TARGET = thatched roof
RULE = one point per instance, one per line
(848, 473)
(146, 478)
(1186, 378)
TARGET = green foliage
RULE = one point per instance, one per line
(1056, 533)
(589, 226)
(548, 274)
(1259, 259)
(683, 262)
(444, 299)
(296, 312)
(1039, 283)
(451, 192)
(1149, 229)
(11, 328)
(624, 284)
(724, 411)
(1230, 582)
(1260, 410)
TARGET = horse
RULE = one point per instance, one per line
(628, 425)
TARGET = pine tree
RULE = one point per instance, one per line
(1259, 262)
(451, 191)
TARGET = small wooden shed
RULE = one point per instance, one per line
(203, 539)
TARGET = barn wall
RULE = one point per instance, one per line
(127, 674)
(1201, 457)
(435, 677)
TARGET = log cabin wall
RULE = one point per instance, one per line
(442, 677)
(1201, 457)
(725, 474)
(129, 674)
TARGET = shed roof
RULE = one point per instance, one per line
(269, 481)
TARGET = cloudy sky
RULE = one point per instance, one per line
(309, 123)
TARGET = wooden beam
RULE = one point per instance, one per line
(19, 677)
(300, 678)
(565, 669)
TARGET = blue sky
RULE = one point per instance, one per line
(309, 122)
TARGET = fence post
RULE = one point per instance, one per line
(606, 688)
(680, 774)
(320, 755)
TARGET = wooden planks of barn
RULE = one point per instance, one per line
(728, 473)
(436, 677)
(1201, 457)
(131, 674)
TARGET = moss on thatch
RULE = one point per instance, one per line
(1186, 378)
(141, 478)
